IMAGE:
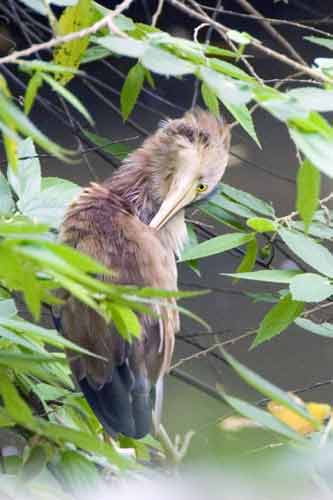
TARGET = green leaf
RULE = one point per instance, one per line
(229, 69)
(16, 407)
(33, 86)
(313, 98)
(228, 90)
(162, 62)
(268, 389)
(126, 321)
(317, 229)
(83, 440)
(50, 337)
(33, 464)
(49, 206)
(249, 259)
(217, 245)
(117, 149)
(7, 204)
(311, 252)
(261, 417)
(323, 329)
(45, 66)
(131, 89)
(122, 22)
(248, 200)
(240, 37)
(68, 96)
(278, 319)
(270, 298)
(70, 54)
(217, 51)
(226, 203)
(323, 42)
(121, 46)
(244, 118)
(262, 225)
(310, 287)
(210, 99)
(221, 215)
(26, 180)
(38, 365)
(8, 126)
(313, 122)
(9, 112)
(21, 228)
(317, 148)
(7, 308)
(308, 191)
(95, 53)
(77, 472)
(19, 340)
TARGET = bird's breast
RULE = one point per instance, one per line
(173, 235)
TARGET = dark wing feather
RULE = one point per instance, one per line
(118, 389)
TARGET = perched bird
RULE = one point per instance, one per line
(134, 224)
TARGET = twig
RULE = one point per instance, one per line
(157, 13)
(53, 42)
(273, 20)
(208, 350)
(265, 23)
(315, 74)
(197, 384)
(264, 169)
(317, 308)
(226, 39)
(287, 218)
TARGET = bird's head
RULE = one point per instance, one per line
(190, 156)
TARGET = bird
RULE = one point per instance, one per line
(134, 224)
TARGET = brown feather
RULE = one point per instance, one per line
(110, 222)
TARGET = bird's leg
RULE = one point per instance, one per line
(174, 452)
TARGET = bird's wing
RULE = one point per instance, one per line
(130, 248)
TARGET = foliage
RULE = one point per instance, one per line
(62, 439)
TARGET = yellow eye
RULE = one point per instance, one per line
(201, 188)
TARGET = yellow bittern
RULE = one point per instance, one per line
(134, 224)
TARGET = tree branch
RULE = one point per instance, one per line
(315, 74)
(53, 42)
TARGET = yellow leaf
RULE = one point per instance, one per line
(69, 54)
(319, 411)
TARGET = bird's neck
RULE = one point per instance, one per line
(133, 183)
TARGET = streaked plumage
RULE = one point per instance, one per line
(134, 224)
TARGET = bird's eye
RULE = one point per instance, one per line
(201, 188)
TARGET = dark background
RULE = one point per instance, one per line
(292, 360)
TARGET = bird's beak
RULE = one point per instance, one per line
(176, 199)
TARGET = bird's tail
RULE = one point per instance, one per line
(122, 405)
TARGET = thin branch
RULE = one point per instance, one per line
(227, 40)
(317, 308)
(207, 41)
(273, 20)
(315, 74)
(208, 350)
(106, 21)
(158, 12)
(264, 169)
(197, 384)
(287, 218)
(265, 23)
(136, 126)
(81, 150)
